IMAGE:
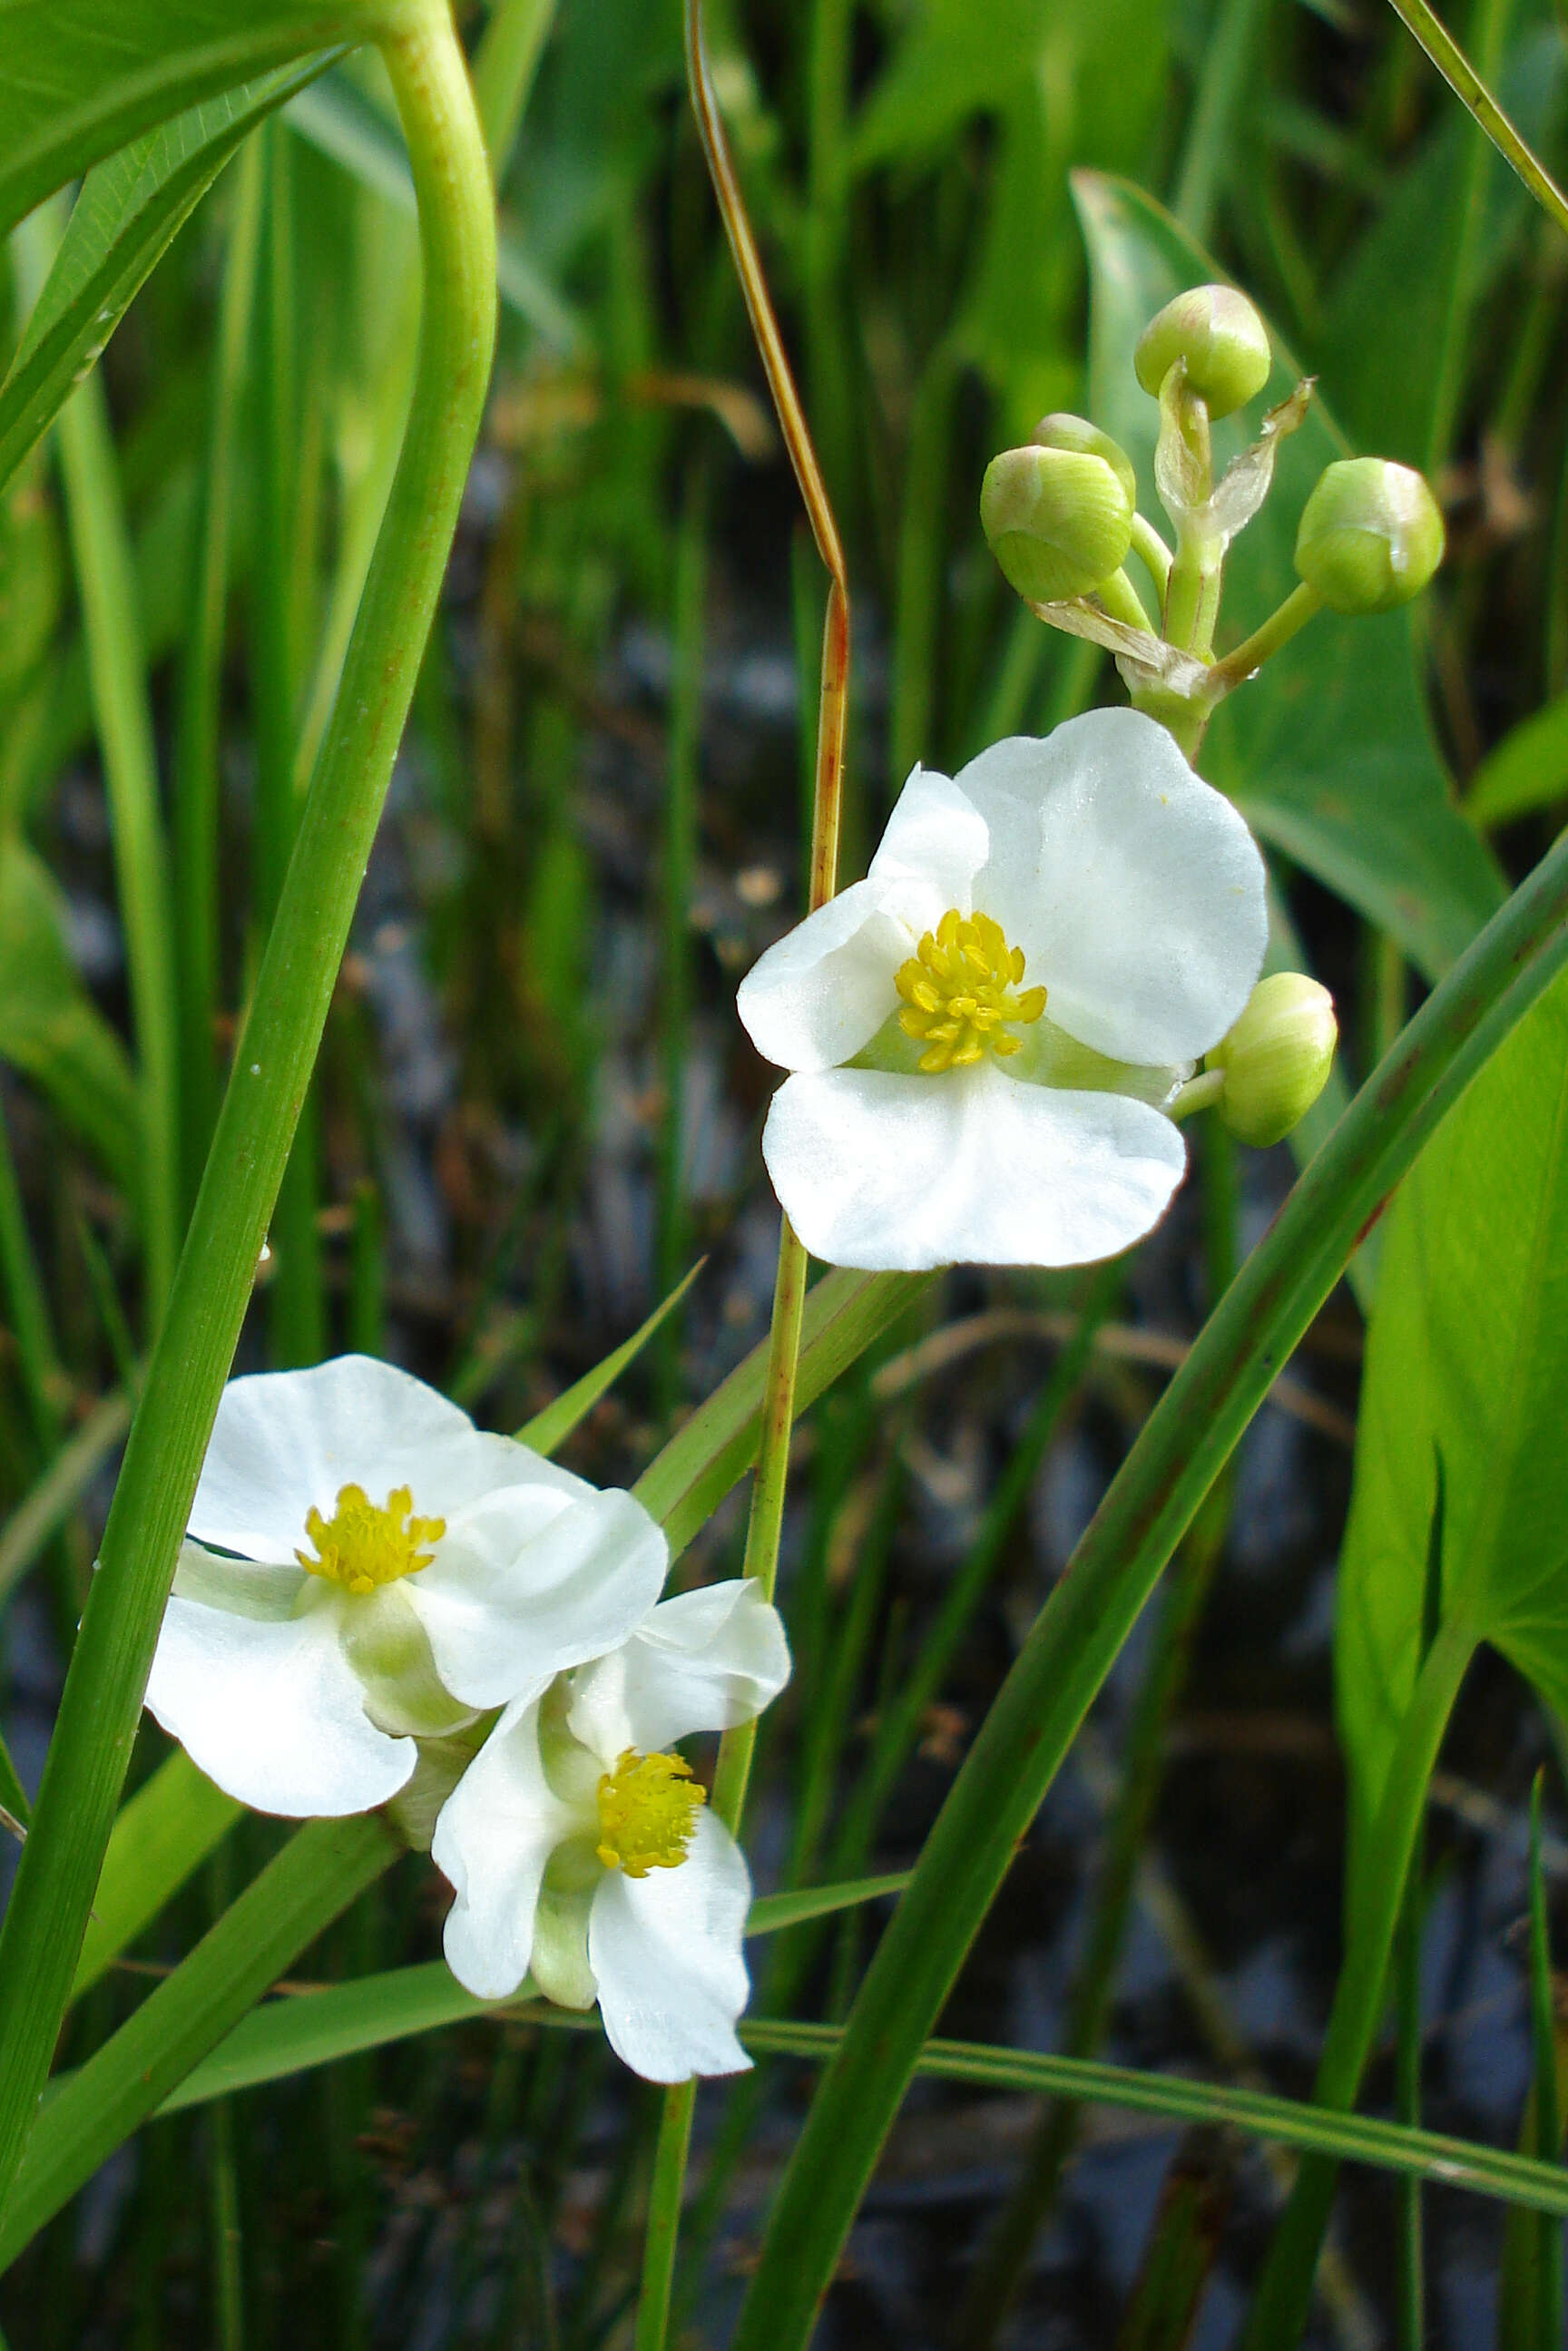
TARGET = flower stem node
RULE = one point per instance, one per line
(1058, 513)
(957, 990)
(1371, 536)
(1276, 1061)
(648, 1809)
(1221, 337)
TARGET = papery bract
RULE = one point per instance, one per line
(364, 1567)
(584, 1857)
(1115, 880)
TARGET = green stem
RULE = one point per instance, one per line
(664, 2226)
(1153, 554)
(1472, 92)
(315, 1877)
(1185, 1443)
(505, 64)
(102, 1697)
(1122, 602)
(196, 788)
(1281, 2306)
(1277, 630)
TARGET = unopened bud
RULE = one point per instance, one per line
(1371, 536)
(1219, 334)
(1059, 519)
(1277, 1059)
(1062, 431)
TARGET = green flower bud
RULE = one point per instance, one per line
(1222, 339)
(1060, 520)
(1277, 1059)
(1061, 431)
(1371, 536)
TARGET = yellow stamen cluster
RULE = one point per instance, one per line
(648, 1808)
(365, 1544)
(958, 991)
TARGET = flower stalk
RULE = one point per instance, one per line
(102, 1697)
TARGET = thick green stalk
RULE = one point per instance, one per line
(102, 1697)
(196, 794)
(1151, 1503)
(315, 1877)
(1283, 2299)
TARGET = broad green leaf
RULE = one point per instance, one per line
(131, 207)
(82, 78)
(1527, 770)
(552, 1426)
(170, 1824)
(49, 1027)
(288, 2036)
(1389, 311)
(1330, 751)
(1467, 1360)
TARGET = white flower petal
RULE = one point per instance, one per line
(492, 1837)
(666, 1949)
(937, 837)
(518, 1590)
(273, 1712)
(1140, 903)
(826, 987)
(968, 1167)
(704, 1661)
(286, 1442)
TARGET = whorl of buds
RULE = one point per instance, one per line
(1223, 342)
(1277, 1059)
(1371, 536)
(1058, 513)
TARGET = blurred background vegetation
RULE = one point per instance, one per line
(535, 1111)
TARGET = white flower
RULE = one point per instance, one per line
(365, 1566)
(985, 1031)
(583, 1852)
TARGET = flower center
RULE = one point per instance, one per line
(364, 1545)
(648, 1808)
(957, 990)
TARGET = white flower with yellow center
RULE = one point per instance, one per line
(986, 1031)
(583, 1851)
(364, 1568)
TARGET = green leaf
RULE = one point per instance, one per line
(129, 208)
(549, 1429)
(49, 1027)
(1330, 751)
(1467, 1360)
(171, 1824)
(84, 78)
(1526, 771)
(289, 2036)
(313, 2028)
(684, 1484)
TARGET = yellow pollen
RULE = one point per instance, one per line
(958, 993)
(364, 1545)
(648, 1807)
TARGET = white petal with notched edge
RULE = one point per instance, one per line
(494, 1837)
(704, 1661)
(885, 1172)
(666, 1950)
(272, 1711)
(1140, 902)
